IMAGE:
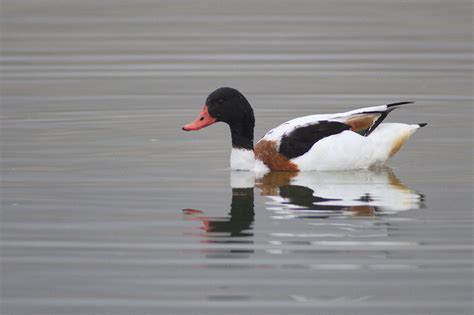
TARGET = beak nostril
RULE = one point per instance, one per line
(203, 120)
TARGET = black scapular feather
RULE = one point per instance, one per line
(300, 140)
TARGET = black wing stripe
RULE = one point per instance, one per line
(377, 122)
(398, 104)
(390, 107)
(301, 140)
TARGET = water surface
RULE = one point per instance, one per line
(109, 208)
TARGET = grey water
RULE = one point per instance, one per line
(107, 207)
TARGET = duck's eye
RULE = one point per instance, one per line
(202, 118)
(221, 100)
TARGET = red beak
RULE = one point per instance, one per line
(203, 120)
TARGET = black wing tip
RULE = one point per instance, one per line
(422, 125)
(398, 104)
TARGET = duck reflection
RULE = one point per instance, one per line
(239, 221)
(307, 195)
(332, 194)
(235, 228)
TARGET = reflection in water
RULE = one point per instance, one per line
(239, 221)
(335, 194)
(234, 228)
(335, 197)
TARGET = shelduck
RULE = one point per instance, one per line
(351, 140)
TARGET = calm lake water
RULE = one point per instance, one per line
(109, 208)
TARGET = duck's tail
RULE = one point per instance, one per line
(365, 120)
(388, 138)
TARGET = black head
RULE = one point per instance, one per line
(229, 106)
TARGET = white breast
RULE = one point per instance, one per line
(242, 160)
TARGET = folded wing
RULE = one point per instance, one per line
(365, 120)
(297, 136)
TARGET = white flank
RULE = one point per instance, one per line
(344, 151)
(349, 150)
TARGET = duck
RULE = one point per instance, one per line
(351, 140)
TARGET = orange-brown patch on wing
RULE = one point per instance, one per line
(267, 152)
(270, 183)
(398, 143)
(362, 122)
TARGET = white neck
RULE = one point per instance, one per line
(242, 159)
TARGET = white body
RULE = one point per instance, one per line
(349, 150)
(344, 151)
